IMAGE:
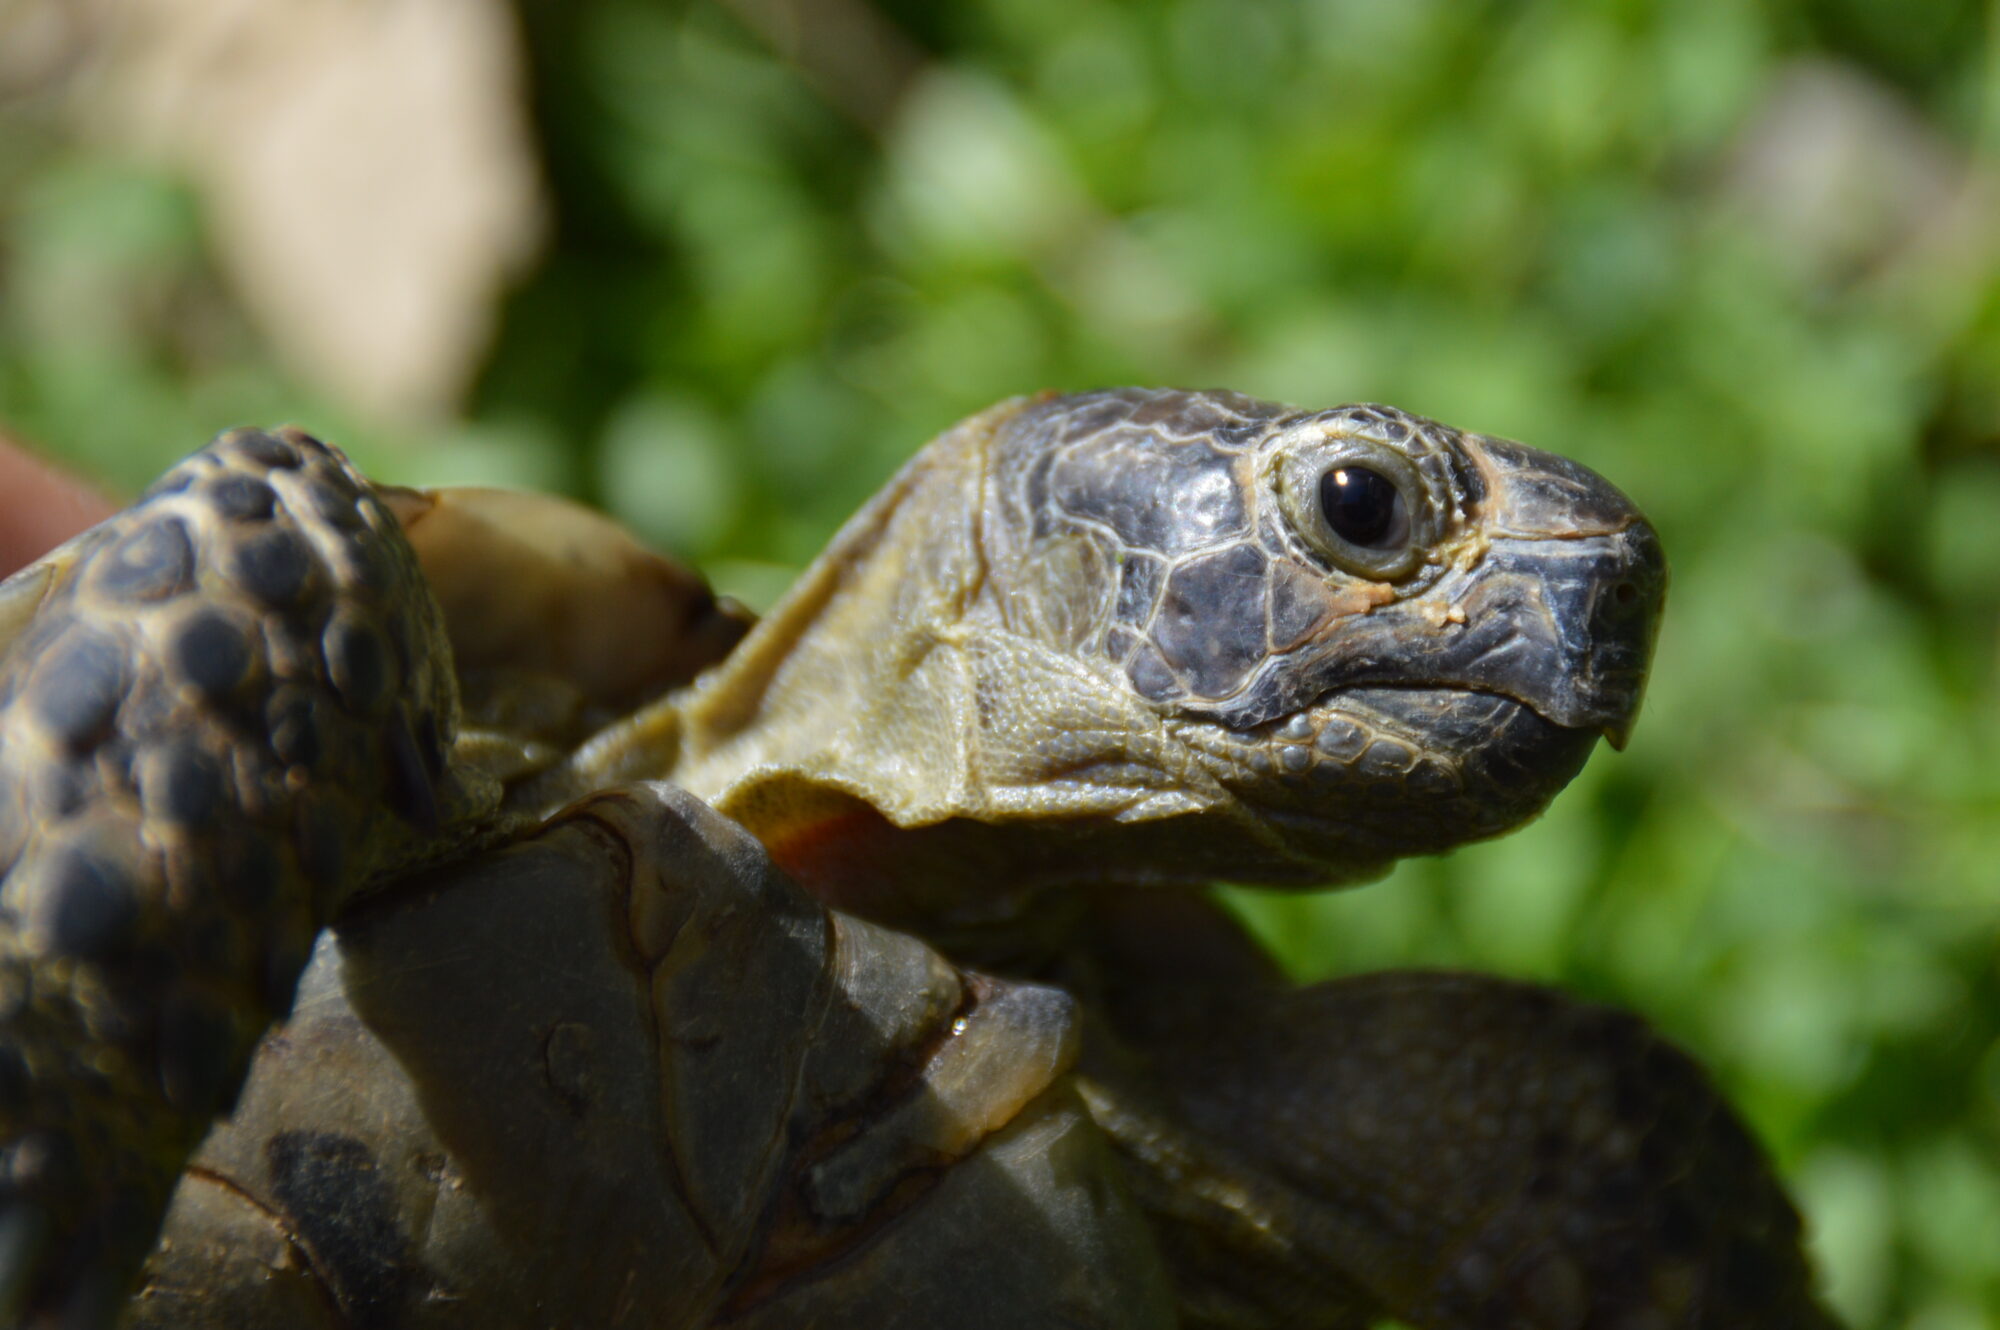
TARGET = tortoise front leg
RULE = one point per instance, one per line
(1454, 1150)
(625, 1073)
(222, 714)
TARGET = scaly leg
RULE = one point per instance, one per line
(223, 714)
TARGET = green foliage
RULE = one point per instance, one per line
(1541, 219)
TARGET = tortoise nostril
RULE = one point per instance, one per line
(1625, 595)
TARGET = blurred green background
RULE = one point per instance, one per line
(1742, 258)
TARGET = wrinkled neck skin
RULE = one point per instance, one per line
(887, 731)
(958, 706)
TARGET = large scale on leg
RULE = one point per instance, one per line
(899, 1004)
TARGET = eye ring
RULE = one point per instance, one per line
(1357, 503)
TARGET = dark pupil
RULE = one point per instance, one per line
(1361, 506)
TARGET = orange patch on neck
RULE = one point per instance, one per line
(840, 859)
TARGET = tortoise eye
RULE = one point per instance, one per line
(1364, 508)
(1357, 503)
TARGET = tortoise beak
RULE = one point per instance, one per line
(1579, 577)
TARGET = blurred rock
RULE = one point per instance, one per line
(367, 166)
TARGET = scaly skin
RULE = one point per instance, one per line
(706, 1101)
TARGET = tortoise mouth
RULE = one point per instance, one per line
(1492, 733)
(1379, 772)
(1388, 731)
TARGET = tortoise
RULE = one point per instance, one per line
(431, 909)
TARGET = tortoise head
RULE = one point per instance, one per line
(1172, 636)
(1381, 635)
